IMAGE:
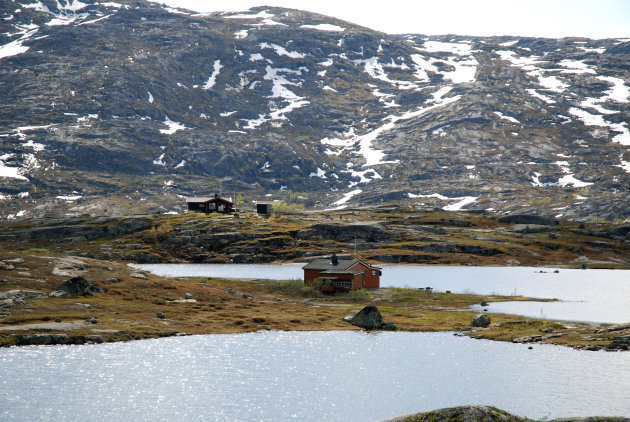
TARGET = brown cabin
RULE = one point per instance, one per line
(342, 275)
(209, 204)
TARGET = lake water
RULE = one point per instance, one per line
(598, 296)
(306, 376)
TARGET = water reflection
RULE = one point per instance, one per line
(306, 376)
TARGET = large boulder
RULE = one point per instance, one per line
(621, 231)
(481, 320)
(76, 286)
(369, 318)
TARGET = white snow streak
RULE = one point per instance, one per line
(281, 51)
(347, 196)
(364, 142)
(213, 78)
(325, 27)
(461, 201)
(508, 118)
(597, 120)
(172, 127)
(239, 35)
(462, 49)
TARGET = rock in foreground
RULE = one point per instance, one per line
(484, 414)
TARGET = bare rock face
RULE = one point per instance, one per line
(69, 267)
(527, 219)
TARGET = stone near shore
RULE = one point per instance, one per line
(480, 320)
(370, 318)
(54, 339)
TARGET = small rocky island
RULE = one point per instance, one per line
(485, 414)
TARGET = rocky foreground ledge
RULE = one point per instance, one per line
(477, 413)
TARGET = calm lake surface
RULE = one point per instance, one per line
(598, 296)
(306, 376)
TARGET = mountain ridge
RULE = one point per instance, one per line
(128, 107)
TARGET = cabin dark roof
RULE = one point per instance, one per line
(325, 264)
(341, 272)
(202, 199)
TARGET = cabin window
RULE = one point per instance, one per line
(373, 272)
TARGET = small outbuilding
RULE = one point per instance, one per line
(342, 275)
(210, 204)
(264, 207)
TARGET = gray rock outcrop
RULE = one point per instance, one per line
(527, 219)
(17, 297)
(76, 286)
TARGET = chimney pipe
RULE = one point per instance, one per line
(333, 259)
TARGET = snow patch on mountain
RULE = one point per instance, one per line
(325, 27)
(321, 173)
(172, 127)
(281, 51)
(460, 48)
(213, 78)
(67, 13)
(239, 35)
(347, 196)
(598, 120)
(264, 17)
(423, 66)
(279, 90)
(575, 66)
(37, 147)
(465, 70)
(69, 198)
(619, 91)
(11, 172)
(508, 118)
(350, 141)
(538, 95)
(461, 201)
(625, 165)
(376, 70)
(530, 66)
(15, 47)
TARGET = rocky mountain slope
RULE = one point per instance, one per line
(129, 106)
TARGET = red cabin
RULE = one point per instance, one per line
(209, 204)
(342, 275)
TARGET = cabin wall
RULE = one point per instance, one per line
(372, 275)
(310, 275)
